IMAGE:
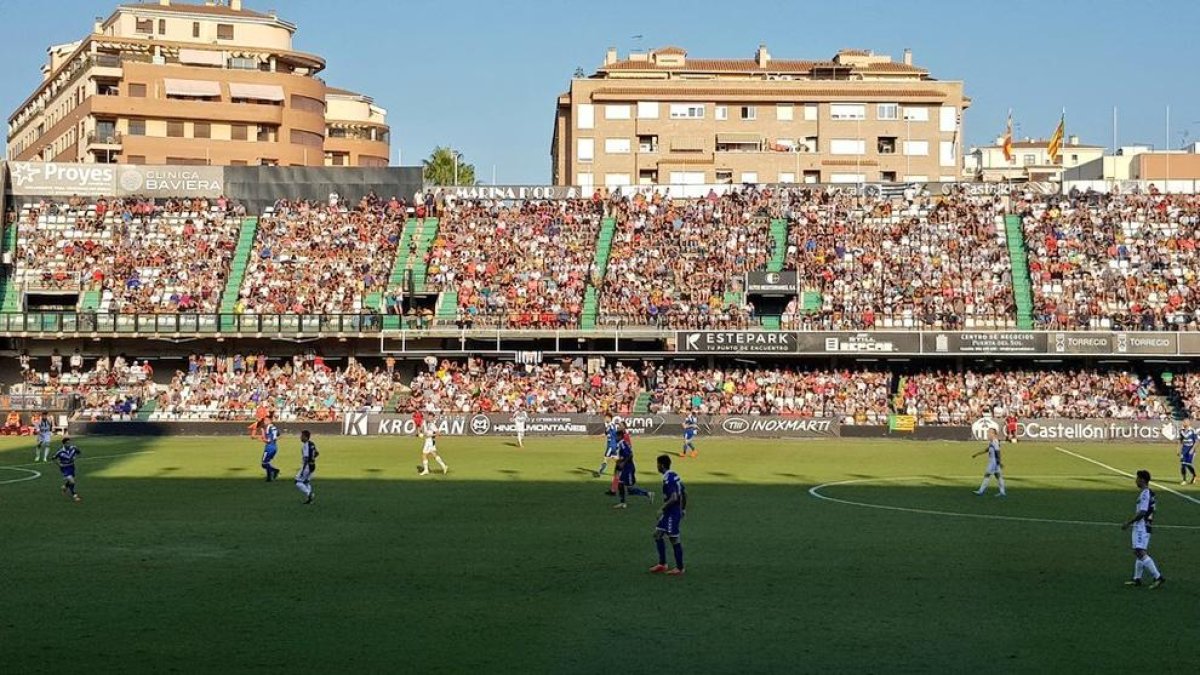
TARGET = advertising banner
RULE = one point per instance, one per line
(53, 179)
(512, 192)
(786, 282)
(1061, 430)
(735, 342)
(874, 342)
(992, 342)
(481, 424)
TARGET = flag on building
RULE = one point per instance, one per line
(1056, 140)
(1008, 151)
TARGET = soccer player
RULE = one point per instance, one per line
(308, 466)
(627, 472)
(1143, 523)
(519, 419)
(673, 508)
(994, 467)
(44, 428)
(612, 437)
(66, 464)
(270, 439)
(1187, 452)
(429, 449)
(690, 427)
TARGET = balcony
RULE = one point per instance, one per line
(104, 139)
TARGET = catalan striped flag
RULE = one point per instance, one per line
(1008, 150)
(1056, 140)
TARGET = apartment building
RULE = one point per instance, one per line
(663, 118)
(212, 83)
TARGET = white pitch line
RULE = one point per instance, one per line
(816, 492)
(81, 458)
(33, 475)
(1126, 474)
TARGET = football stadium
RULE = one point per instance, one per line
(773, 374)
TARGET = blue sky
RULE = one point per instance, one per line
(483, 76)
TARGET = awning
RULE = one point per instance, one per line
(742, 138)
(687, 144)
(203, 88)
(201, 57)
(257, 92)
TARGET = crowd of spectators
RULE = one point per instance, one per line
(682, 263)
(111, 389)
(144, 256)
(906, 263)
(852, 397)
(948, 398)
(1115, 261)
(321, 257)
(525, 265)
(494, 386)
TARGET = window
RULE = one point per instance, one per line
(916, 179)
(946, 153)
(887, 111)
(807, 144)
(749, 113)
(847, 146)
(847, 111)
(224, 31)
(135, 159)
(724, 176)
(1028, 160)
(848, 178)
(722, 112)
(201, 130)
(239, 132)
(750, 177)
(616, 146)
(267, 133)
(137, 90)
(307, 104)
(587, 116)
(174, 129)
(613, 180)
(886, 145)
(687, 111)
(585, 149)
(647, 110)
(887, 176)
(948, 119)
(783, 112)
(648, 143)
(336, 133)
(237, 162)
(616, 112)
(243, 63)
(812, 176)
(946, 179)
(587, 181)
(916, 148)
(308, 138)
(162, 26)
(810, 112)
(137, 127)
(144, 26)
(787, 177)
(187, 161)
(195, 29)
(916, 114)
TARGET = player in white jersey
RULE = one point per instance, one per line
(1142, 523)
(995, 466)
(520, 418)
(308, 466)
(429, 449)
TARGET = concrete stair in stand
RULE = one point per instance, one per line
(1022, 288)
(591, 296)
(237, 272)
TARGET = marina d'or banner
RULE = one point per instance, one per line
(480, 424)
(935, 343)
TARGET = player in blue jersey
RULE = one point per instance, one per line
(44, 429)
(270, 437)
(627, 471)
(1187, 452)
(673, 508)
(308, 466)
(612, 437)
(65, 457)
(995, 467)
(1142, 523)
(690, 427)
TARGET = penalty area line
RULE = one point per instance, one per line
(1115, 470)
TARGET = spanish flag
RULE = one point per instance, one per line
(1056, 140)
(1008, 153)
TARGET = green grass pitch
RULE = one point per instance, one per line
(181, 559)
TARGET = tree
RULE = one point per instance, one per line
(440, 168)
